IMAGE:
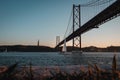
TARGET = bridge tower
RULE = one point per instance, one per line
(76, 24)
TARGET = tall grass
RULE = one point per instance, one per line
(10, 73)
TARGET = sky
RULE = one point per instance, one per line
(24, 22)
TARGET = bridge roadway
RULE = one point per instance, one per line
(107, 14)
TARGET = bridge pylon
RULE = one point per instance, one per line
(76, 24)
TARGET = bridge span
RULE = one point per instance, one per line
(107, 14)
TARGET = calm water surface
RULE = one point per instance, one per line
(56, 59)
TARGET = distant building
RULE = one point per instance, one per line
(38, 43)
(57, 40)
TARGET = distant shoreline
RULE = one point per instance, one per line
(31, 48)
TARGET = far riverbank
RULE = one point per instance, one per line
(33, 48)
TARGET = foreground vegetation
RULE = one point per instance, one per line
(93, 72)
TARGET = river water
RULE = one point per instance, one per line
(57, 59)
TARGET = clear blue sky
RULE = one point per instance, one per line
(27, 21)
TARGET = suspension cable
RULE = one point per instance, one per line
(68, 24)
(88, 4)
(95, 3)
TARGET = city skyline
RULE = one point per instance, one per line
(26, 21)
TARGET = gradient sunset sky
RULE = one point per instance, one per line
(24, 22)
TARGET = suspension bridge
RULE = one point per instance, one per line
(110, 12)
